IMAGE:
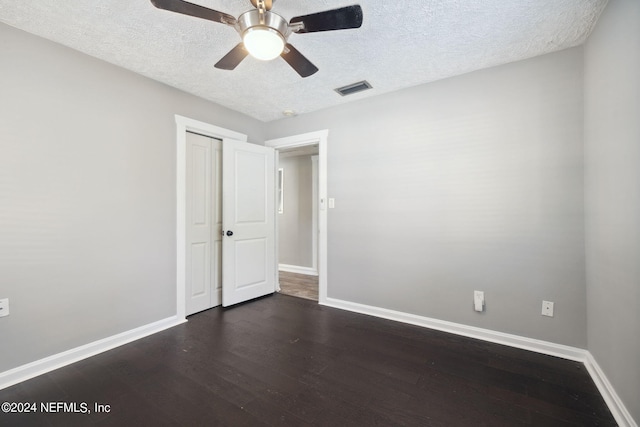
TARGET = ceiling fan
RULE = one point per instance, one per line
(264, 33)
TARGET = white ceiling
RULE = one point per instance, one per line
(401, 44)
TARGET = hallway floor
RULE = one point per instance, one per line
(299, 285)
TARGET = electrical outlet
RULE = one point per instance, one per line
(478, 300)
(547, 308)
(4, 307)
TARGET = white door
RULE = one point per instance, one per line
(248, 217)
(204, 223)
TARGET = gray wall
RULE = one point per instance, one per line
(612, 189)
(87, 196)
(295, 224)
(475, 182)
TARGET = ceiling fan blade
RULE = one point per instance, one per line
(336, 19)
(298, 62)
(231, 60)
(191, 9)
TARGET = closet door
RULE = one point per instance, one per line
(204, 223)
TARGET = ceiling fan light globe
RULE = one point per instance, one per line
(263, 43)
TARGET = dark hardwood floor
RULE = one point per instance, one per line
(284, 361)
(299, 285)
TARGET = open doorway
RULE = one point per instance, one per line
(298, 221)
(313, 145)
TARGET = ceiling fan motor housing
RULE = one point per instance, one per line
(255, 19)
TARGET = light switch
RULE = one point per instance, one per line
(332, 203)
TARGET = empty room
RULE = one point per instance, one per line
(457, 183)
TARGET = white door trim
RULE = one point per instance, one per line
(314, 213)
(184, 124)
(311, 138)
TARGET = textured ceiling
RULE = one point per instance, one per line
(400, 44)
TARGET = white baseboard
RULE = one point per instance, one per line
(617, 408)
(545, 347)
(298, 269)
(48, 364)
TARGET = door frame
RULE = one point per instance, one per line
(321, 139)
(184, 125)
(314, 212)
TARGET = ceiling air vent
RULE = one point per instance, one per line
(353, 88)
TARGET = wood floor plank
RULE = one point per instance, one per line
(286, 361)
